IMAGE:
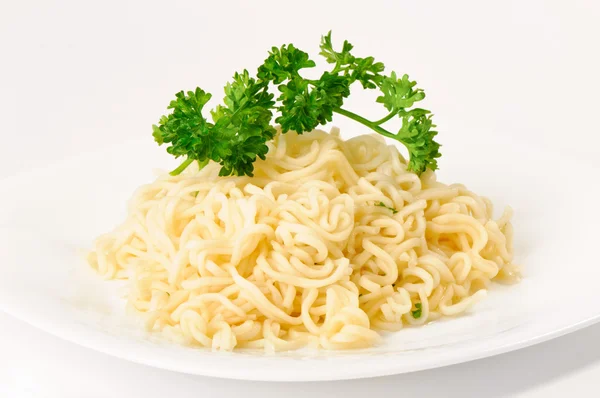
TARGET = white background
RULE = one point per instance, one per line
(79, 75)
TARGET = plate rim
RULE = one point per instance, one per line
(320, 370)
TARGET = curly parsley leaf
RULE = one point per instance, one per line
(364, 70)
(304, 106)
(238, 135)
(185, 129)
(418, 135)
(284, 63)
(333, 57)
(399, 93)
(241, 126)
(299, 107)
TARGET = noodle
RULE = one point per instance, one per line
(330, 242)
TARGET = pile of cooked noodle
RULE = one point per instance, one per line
(330, 242)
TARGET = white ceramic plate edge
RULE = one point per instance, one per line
(111, 345)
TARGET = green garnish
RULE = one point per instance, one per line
(417, 313)
(381, 204)
(237, 135)
(241, 127)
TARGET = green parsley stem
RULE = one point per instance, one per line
(182, 167)
(385, 119)
(202, 163)
(366, 122)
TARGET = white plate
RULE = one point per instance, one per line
(48, 215)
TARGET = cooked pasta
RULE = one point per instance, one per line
(328, 244)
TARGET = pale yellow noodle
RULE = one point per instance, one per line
(330, 242)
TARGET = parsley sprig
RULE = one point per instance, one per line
(241, 126)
